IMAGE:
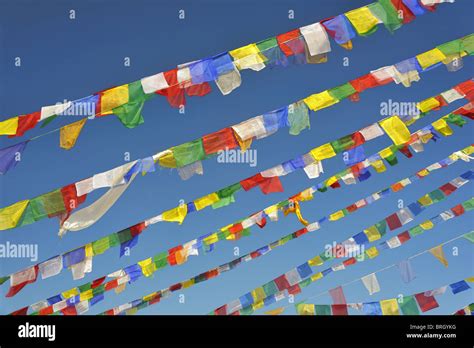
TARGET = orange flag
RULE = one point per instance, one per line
(69, 134)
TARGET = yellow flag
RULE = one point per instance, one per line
(316, 276)
(188, 283)
(428, 104)
(206, 201)
(389, 307)
(257, 305)
(68, 134)
(427, 225)
(362, 19)
(305, 309)
(320, 100)
(177, 214)
(347, 45)
(372, 252)
(323, 152)
(247, 56)
(243, 144)
(88, 250)
(336, 216)
(213, 238)
(86, 295)
(425, 200)
(316, 261)
(148, 297)
(430, 58)
(423, 172)
(9, 216)
(9, 127)
(372, 233)
(167, 160)
(148, 267)
(385, 152)
(276, 311)
(112, 98)
(439, 254)
(258, 294)
(468, 150)
(442, 127)
(70, 293)
(396, 130)
(379, 166)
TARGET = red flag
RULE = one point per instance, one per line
(222, 310)
(172, 255)
(364, 82)
(21, 311)
(220, 140)
(17, 288)
(448, 188)
(97, 282)
(426, 303)
(26, 122)
(403, 237)
(175, 287)
(174, 94)
(458, 210)
(135, 230)
(282, 283)
(111, 285)
(198, 90)
(271, 185)
(282, 39)
(250, 183)
(235, 228)
(337, 295)
(393, 222)
(70, 198)
(70, 310)
(339, 309)
(408, 16)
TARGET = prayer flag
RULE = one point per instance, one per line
(396, 130)
(10, 156)
(371, 283)
(70, 133)
(439, 254)
(364, 22)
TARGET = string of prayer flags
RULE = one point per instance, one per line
(129, 236)
(403, 305)
(182, 252)
(247, 303)
(468, 310)
(350, 261)
(308, 44)
(135, 94)
(197, 149)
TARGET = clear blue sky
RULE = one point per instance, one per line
(68, 59)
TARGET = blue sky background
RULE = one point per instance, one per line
(69, 59)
